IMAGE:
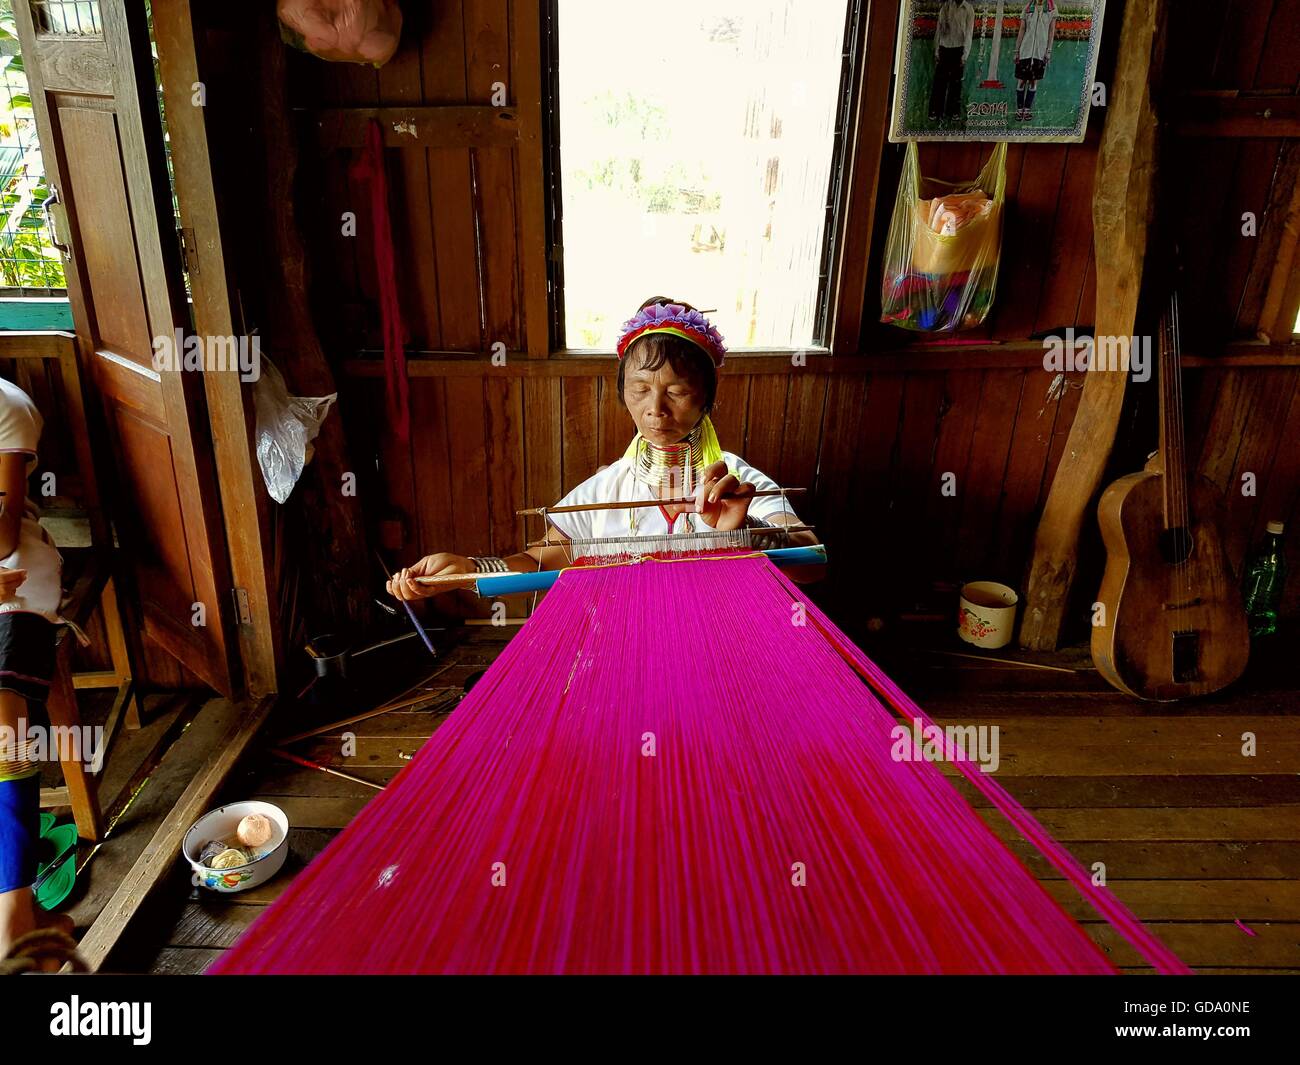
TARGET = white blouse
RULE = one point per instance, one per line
(40, 593)
(1039, 21)
(617, 482)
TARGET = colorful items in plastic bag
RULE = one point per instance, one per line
(941, 257)
(948, 214)
(342, 31)
(928, 301)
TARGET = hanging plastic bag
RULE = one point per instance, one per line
(342, 31)
(945, 239)
(286, 426)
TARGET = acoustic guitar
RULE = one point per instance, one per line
(1174, 625)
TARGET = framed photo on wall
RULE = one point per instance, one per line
(995, 70)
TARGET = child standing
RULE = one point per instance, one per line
(30, 591)
(1033, 53)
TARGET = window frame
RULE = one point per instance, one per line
(846, 158)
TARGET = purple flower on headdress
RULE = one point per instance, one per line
(658, 315)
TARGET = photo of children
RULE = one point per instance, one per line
(952, 41)
(995, 70)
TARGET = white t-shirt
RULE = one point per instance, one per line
(1039, 21)
(955, 27)
(618, 482)
(40, 593)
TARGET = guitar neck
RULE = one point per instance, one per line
(1173, 449)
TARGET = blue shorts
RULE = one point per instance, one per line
(20, 826)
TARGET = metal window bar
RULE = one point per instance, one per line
(550, 38)
(850, 59)
(67, 18)
(30, 264)
(836, 193)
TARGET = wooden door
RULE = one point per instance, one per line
(92, 87)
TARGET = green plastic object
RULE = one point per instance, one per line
(56, 878)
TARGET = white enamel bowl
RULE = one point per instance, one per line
(221, 824)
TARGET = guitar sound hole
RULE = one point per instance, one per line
(1176, 545)
(1187, 650)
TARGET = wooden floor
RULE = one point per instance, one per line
(1198, 839)
(144, 775)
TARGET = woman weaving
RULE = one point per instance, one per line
(669, 356)
(547, 772)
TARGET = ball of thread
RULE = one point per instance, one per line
(229, 859)
(211, 850)
(254, 830)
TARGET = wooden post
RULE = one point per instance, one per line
(526, 60)
(870, 130)
(1121, 215)
(1279, 252)
(83, 787)
(244, 502)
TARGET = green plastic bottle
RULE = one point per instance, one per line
(1263, 586)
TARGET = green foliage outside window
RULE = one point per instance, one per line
(28, 258)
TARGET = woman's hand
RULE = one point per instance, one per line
(723, 514)
(10, 581)
(403, 586)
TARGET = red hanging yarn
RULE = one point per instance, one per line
(369, 170)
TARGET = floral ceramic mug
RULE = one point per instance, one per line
(987, 614)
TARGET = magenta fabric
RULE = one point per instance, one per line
(677, 768)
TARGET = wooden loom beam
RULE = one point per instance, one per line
(868, 135)
(1121, 211)
(634, 504)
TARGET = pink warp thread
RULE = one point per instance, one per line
(1106, 904)
(665, 771)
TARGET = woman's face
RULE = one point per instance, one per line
(664, 404)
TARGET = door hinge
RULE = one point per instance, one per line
(189, 250)
(242, 612)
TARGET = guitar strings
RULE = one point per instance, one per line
(1184, 481)
(1177, 509)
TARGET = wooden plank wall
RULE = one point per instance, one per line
(872, 444)
(1240, 420)
(453, 209)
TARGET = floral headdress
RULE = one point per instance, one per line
(674, 318)
(661, 316)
